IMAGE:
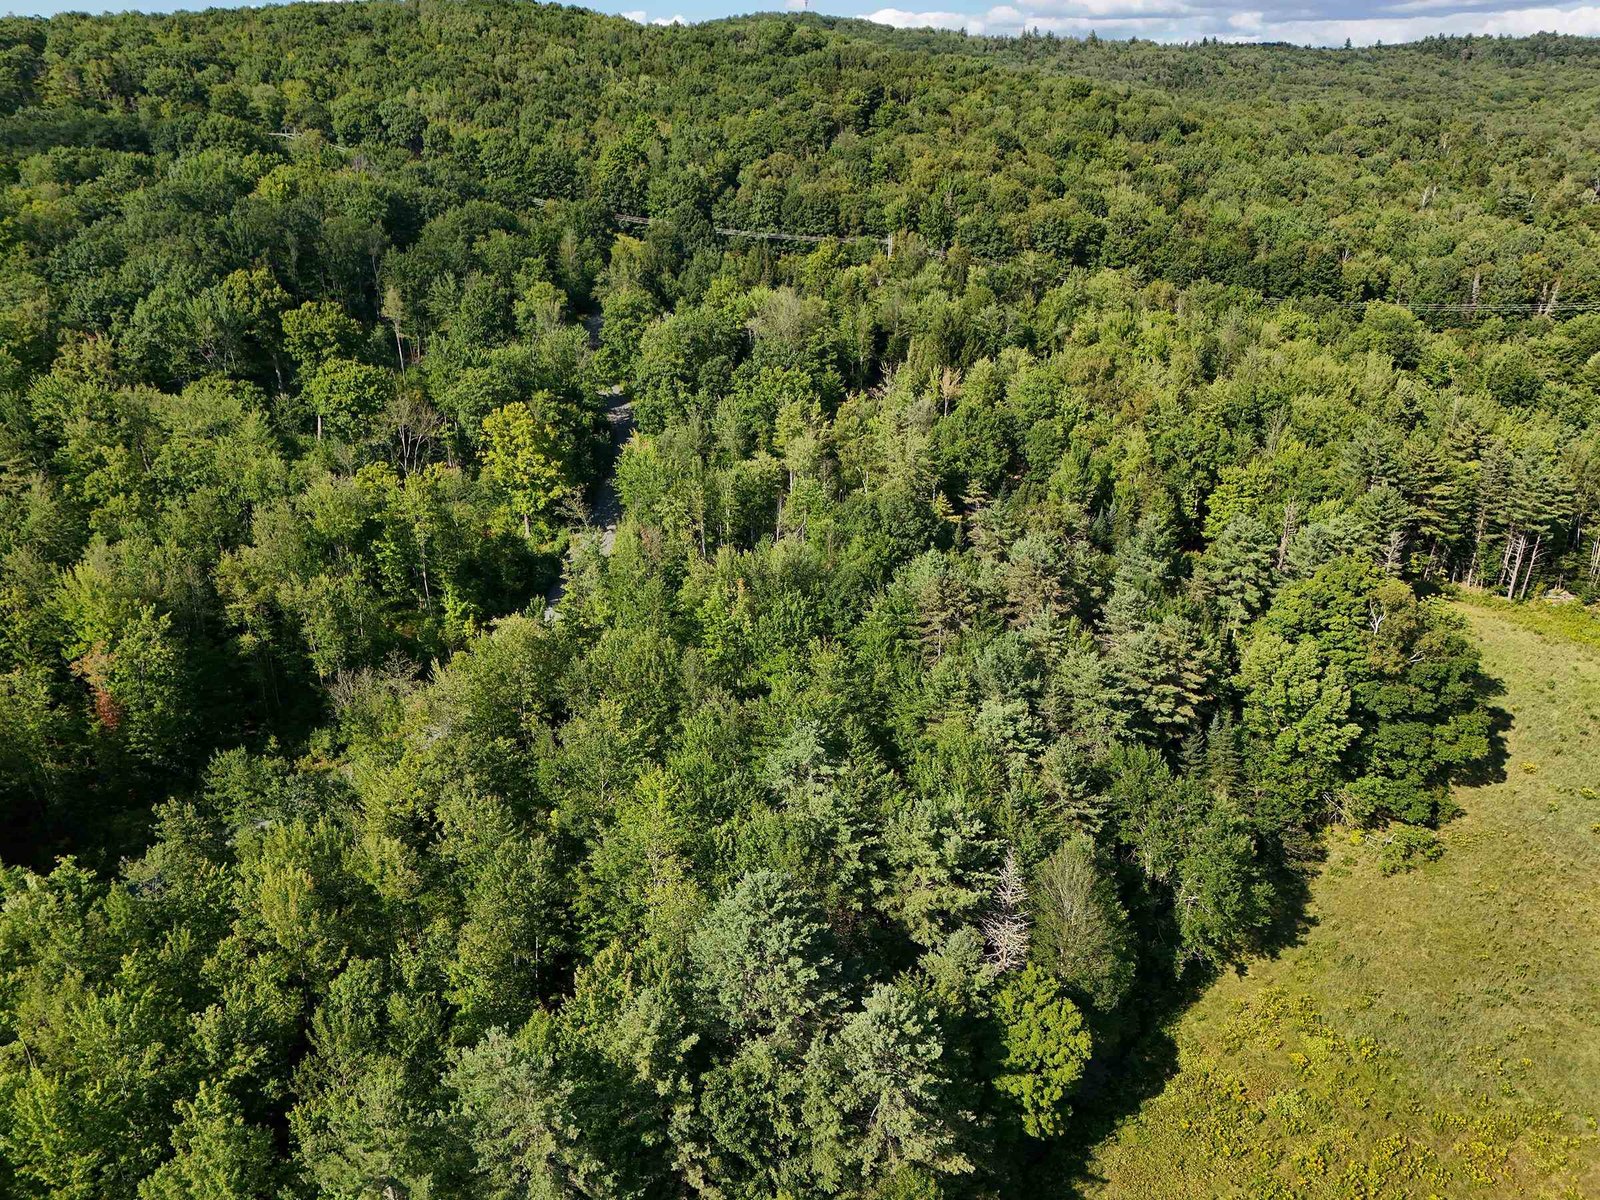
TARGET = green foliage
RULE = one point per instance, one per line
(763, 960)
(345, 395)
(1296, 717)
(143, 692)
(1406, 847)
(1081, 930)
(1369, 650)
(522, 1118)
(318, 332)
(520, 457)
(882, 1100)
(556, 695)
(216, 1155)
(1045, 1049)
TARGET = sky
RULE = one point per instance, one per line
(1330, 23)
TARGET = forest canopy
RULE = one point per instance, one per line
(413, 786)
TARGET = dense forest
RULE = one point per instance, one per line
(1011, 584)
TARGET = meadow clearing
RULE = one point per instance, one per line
(1433, 1033)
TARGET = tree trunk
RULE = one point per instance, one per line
(1477, 549)
(1521, 542)
(1512, 547)
(1291, 515)
(1393, 552)
(1533, 561)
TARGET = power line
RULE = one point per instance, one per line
(771, 235)
(1491, 308)
(1536, 308)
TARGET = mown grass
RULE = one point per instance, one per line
(1435, 1033)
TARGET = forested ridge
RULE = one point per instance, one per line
(992, 628)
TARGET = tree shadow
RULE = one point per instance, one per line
(1291, 916)
(1143, 1058)
(1113, 1090)
(1491, 768)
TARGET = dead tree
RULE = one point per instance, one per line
(1291, 516)
(1006, 928)
(1533, 561)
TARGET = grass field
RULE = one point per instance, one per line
(1435, 1033)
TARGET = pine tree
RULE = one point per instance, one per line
(518, 1113)
(764, 961)
(880, 1096)
(1082, 935)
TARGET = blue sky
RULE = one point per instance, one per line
(1330, 24)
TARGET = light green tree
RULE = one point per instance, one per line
(344, 394)
(318, 332)
(521, 456)
(1045, 1048)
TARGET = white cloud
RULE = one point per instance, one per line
(1114, 9)
(1584, 20)
(901, 19)
(637, 15)
(674, 19)
(1162, 20)
(1184, 20)
(1429, 6)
